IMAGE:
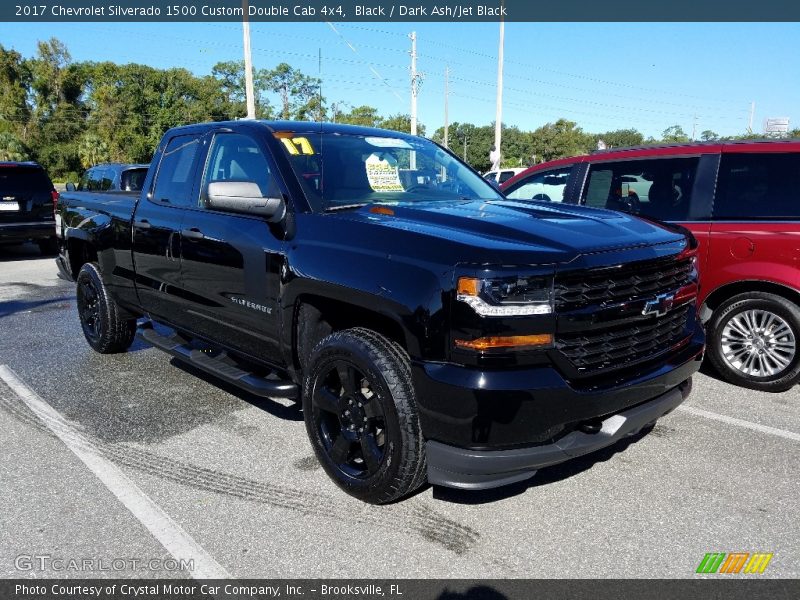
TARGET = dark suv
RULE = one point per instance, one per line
(27, 200)
(741, 200)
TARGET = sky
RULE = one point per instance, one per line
(604, 76)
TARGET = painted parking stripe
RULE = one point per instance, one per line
(789, 435)
(171, 535)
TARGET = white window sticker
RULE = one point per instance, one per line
(382, 142)
(383, 174)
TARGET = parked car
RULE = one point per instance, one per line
(502, 175)
(27, 202)
(432, 329)
(111, 177)
(741, 200)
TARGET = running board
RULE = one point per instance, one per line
(217, 366)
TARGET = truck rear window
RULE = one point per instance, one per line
(24, 179)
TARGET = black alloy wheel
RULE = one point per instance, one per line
(361, 415)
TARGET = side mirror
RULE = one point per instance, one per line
(245, 197)
(70, 186)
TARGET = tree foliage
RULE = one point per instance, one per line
(69, 115)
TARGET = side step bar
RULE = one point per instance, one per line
(178, 347)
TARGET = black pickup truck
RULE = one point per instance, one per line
(431, 328)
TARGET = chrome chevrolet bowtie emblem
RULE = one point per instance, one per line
(659, 306)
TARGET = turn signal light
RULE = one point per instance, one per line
(511, 341)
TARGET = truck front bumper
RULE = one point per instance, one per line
(487, 428)
(482, 469)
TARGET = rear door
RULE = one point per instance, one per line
(157, 225)
(756, 229)
(25, 195)
(232, 262)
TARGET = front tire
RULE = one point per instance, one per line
(754, 341)
(103, 327)
(361, 416)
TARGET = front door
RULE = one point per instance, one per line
(232, 262)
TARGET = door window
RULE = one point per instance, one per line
(758, 186)
(658, 188)
(547, 186)
(236, 157)
(174, 180)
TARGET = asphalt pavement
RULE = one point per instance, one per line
(137, 457)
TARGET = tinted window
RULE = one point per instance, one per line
(659, 188)
(132, 180)
(546, 186)
(106, 179)
(236, 157)
(505, 176)
(24, 179)
(758, 186)
(174, 180)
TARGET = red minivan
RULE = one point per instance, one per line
(741, 200)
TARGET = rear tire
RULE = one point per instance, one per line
(361, 416)
(103, 327)
(754, 341)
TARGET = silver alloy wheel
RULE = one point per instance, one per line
(758, 343)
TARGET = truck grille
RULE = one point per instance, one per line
(614, 285)
(597, 350)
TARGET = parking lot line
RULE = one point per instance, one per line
(171, 535)
(789, 435)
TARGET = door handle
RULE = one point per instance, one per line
(192, 234)
(143, 224)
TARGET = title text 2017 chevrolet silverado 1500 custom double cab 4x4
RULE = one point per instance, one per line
(431, 328)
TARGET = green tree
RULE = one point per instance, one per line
(15, 82)
(674, 134)
(364, 115)
(293, 88)
(709, 136)
(401, 122)
(92, 150)
(560, 139)
(11, 148)
(620, 138)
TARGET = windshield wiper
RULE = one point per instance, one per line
(345, 207)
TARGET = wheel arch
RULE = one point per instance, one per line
(725, 292)
(328, 315)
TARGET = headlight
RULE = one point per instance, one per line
(507, 296)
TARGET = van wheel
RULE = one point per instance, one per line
(361, 416)
(754, 341)
(102, 325)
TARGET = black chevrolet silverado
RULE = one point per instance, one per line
(431, 328)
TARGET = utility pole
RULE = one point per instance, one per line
(498, 123)
(465, 147)
(694, 126)
(413, 37)
(446, 98)
(752, 112)
(248, 63)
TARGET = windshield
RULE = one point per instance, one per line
(339, 171)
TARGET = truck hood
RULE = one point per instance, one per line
(504, 230)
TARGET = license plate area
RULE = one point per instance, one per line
(9, 206)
